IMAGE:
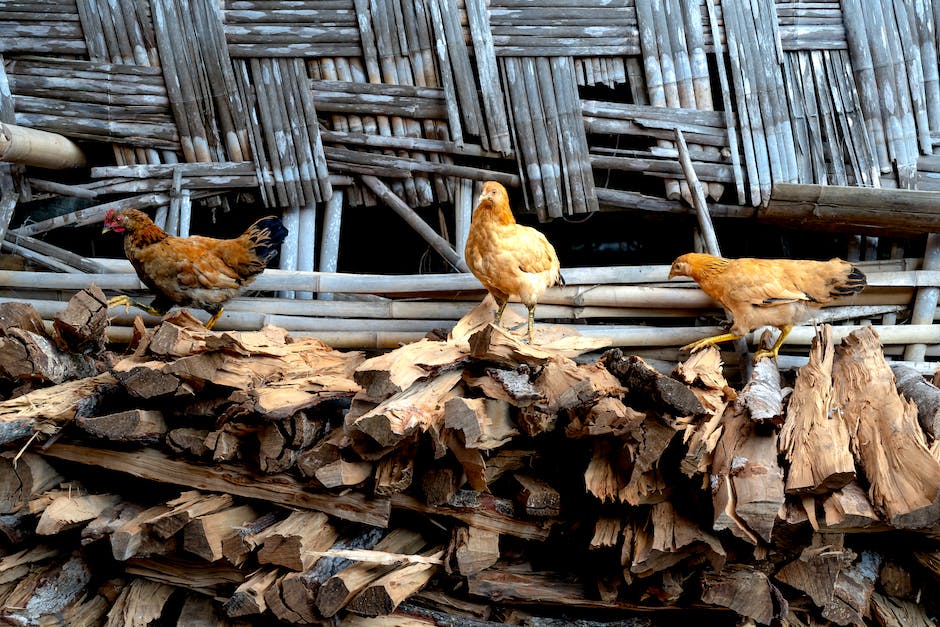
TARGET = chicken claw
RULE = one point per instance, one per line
(127, 302)
(709, 341)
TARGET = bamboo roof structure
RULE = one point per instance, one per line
(819, 114)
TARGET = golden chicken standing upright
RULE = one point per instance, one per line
(509, 259)
(767, 292)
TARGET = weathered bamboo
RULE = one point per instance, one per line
(35, 147)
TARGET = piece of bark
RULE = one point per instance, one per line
(847, 509)
(418, 408)
(896, 580)
(203, 536)
(384, 594)
(187, 507)
(141, 603)
(395, 472)
(649, 388)
(248, 598)
(703, 373)
(513, 386)
(243, 540)
(145, 379)
(91, 609)
(17, 528)
(67, 512)
(29, 356)
(889, 444)
(851, 596)
(743, 589)
(913, 386)
(815, 442)
(537, 497)
(16, 315)
(763, 396)
(81, 327)
(133, 537)
(22, 477)
(472, 550)
(668, 538)
(484, 423)
(289, 543)
(144, 426)
(156, 466)
(225, 444)
(395, 371)
(747, 481)
(58, 586)
(890, 611)
(292, 598)
(336, 592)
(343, 474)
(495, 344)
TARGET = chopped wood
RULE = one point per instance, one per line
(647, 385)
(747, 591)
(473, 549)
(239, 544)
(133, 537)
(58, 586)
(81, 327)
(669, 538)
(294, 542)
(134, 425)
(23, 477)
(904, 478)
(395, 472)
(816, 444)
(203, 536)
(395, 371)
(537, 497)
(848, 509)
(891, 611)
(343, 474)
(339, 589)
(66, 512)
(140, 603)
(183, 510)
(484, 423)
(383, 595)
(913, 386)
(248, 598)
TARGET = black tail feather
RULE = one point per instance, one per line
(854, 282)
(267, 235)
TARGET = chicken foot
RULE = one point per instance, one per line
(127, 302)
(709, 341)
(215, 317)
(775, 349)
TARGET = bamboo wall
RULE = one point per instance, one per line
(317, 106)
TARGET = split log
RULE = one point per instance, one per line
(912, 386)
(82, 326)
(140, 603)
(763, 397)
(203, 536)
(668, 538)
(283, 490)
(395, 472)
(216, 579)
(291, 542)
(243, 540)
(181, 511)
(66, 512)
(248, 598)
(386, 593)
(29, 356)
(395, 371)
(188, 440)
(648, 388)
(607, 532)
(419, 407)
(747, 481)
(337, 591)
(472, 550)
(815, 444)
(200, 611)
(133, 537)
(745, 590)
(484, 423)
(56, 588)
(143, 426)
(343, 474)
(22, 477)
(293, 597)
(608, 472)
(847, 509)
(890, 611)
(327, 451)
(889, 446)
(650, 440)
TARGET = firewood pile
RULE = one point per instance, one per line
(466, 479)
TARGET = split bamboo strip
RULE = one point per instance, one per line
(497, 123)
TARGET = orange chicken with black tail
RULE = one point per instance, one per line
(195, 271)
(767, 292)
(509, 259)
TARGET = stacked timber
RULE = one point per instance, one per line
(468, 478)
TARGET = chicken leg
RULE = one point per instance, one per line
(531, 324)
(709, 341)
(215, 317)
(775, 349)
(125, 301)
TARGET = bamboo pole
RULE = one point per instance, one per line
(29, 146)
(698, 197)
(329, 247)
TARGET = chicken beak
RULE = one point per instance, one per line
(106, 229)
